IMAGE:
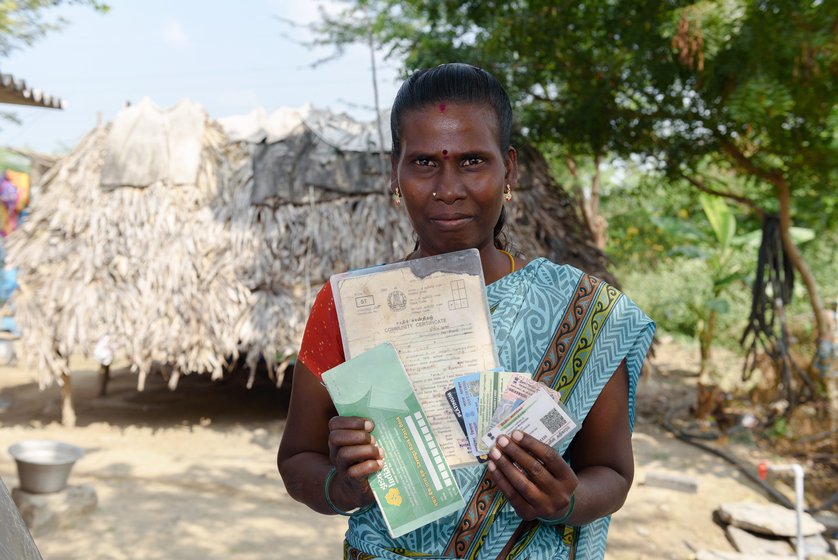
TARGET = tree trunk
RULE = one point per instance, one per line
(104, 377)
(599, 225)
(589, 206)
(824, 361)
(705, 345)
(707, 389)
(832, 374)
(68, 413)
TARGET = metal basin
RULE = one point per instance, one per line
(43, 466)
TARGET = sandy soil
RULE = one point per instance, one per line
(191, 473)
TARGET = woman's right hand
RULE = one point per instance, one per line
(353, 452)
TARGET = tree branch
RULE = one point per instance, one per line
(744, 201)
(743, 161)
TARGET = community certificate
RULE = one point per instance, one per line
(435, 313)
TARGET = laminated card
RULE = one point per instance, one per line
(416, 485)
(492, 385)
(435, 313)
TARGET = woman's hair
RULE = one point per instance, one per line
(452, 83)
(455, 83)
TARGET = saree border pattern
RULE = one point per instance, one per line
(560, 368)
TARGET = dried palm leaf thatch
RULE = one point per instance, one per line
(293, 228)
(149, 266)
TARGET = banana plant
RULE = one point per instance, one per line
(723, 272)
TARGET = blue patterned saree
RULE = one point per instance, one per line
(571, 330)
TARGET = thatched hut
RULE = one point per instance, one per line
(178, 240)
(125, 244)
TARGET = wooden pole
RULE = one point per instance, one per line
(68, 414)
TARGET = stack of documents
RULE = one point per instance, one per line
(435, 313)
(492, 403)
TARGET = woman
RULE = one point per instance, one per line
(452, 170)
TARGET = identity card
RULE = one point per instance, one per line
(539, 416)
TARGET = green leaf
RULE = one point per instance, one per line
(728, 279)
(719, 305)
(801, 235)
(750, 240)
(720, 217)
(688, 251)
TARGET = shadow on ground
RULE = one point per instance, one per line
(197, 400)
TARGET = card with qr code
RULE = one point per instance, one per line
(539, 416)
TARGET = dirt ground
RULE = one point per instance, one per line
(192, 474)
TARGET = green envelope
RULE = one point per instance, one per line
(416, 485)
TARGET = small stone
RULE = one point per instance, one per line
(749, 543)
(767, 519)
(642, 531)
(829, 519)
(46, 512)
(671, 482)
(815, 544)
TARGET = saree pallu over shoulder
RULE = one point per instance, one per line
(571, 331)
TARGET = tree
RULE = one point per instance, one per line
(696, 89)
(22, 22)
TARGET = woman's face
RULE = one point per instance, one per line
(452, 173)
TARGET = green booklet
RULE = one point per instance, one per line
(416, 485)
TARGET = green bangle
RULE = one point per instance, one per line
(331, 504)
(564, 517)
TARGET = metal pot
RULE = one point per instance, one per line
(43, 466)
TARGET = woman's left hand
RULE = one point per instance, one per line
(532, 475)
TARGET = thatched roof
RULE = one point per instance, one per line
(16, 92)
(217, 241)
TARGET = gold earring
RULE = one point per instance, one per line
(507, 192)
(397, 197)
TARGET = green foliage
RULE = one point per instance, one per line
(651, 222)
(677, 295)
(13, 160)
(693, 269)
(779, 428)
(22, 22)
(749, 84)
(822, 255)
(721, 219)
(662, 247)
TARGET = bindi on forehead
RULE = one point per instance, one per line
(442, 107)
(444, 154)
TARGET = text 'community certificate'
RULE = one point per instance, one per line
(434, 312)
